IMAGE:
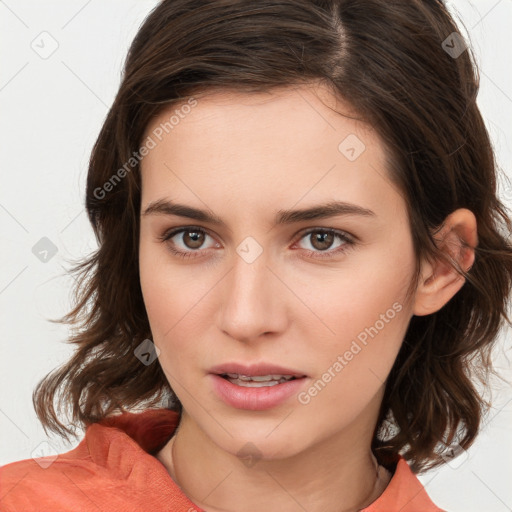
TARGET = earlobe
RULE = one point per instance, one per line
(439, 282)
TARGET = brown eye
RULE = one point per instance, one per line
(188, 242)
(321, 241)
(195, 240)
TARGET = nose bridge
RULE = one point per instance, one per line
(250, 304)
(249, 270)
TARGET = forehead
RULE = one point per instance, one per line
(279, 146)
(280, 108)
(292, 121)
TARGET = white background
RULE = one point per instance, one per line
(52, 110)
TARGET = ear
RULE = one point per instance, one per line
(439, 282)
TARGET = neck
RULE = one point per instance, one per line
(339, 474)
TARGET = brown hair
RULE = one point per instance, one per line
(386, 59)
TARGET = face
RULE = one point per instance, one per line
(321, 295)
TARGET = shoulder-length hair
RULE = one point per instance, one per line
(406, 70)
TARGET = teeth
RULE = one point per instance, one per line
(257, 381)
(258, 378)
(247, 384)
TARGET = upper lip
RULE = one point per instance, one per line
(258, 369)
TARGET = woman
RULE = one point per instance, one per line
(301, 265)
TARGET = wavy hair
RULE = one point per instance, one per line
(404, 68)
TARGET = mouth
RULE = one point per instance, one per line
(256, 390)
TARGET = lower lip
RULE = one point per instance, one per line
(255, 399)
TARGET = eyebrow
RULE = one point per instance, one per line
(322, 211)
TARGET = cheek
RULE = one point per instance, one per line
(175, 299)
(163, 294)
(367, 315)
(355, 297)
(353, 366)
(151, 271)
(164, 286)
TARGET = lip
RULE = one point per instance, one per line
(258, 369)
(257, 398)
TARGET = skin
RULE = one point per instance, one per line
(244, 157)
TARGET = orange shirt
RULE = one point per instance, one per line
(114, 469)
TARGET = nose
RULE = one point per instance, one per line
(253, 300)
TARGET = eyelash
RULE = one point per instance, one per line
(348, 240)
